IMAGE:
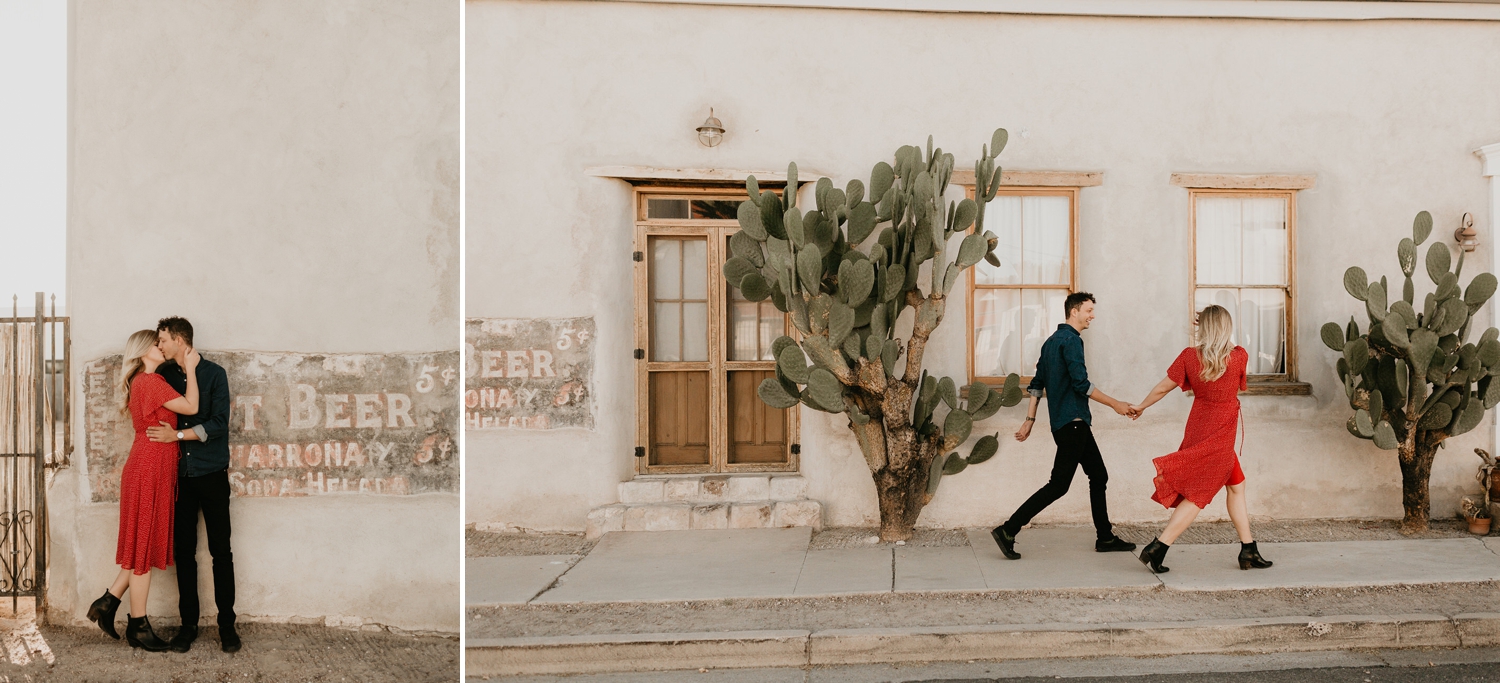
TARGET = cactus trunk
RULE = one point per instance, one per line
(1416, 456)
(902, 493)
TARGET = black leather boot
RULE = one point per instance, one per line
(102, 612)
(1152, 556)
(1250, 557)
(183, 641)
(139, 634)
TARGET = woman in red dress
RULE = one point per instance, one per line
(1188, 480)
(148, 488)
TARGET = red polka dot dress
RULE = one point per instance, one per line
(148, 486)
(1206, 461)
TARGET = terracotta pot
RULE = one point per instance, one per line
(1479, 525)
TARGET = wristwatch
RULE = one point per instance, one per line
(179, 436)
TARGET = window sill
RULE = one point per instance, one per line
(1278, 389)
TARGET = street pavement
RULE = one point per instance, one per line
(1471, 665)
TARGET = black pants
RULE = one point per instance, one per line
(210, 495)
(1075, 446)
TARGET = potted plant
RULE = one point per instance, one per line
(1489, 480)
(1477, 513)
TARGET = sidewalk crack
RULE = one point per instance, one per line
(557, 580)
(802, 567)
(893, 569)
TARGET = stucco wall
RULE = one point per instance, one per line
(284, 175)
(1386, 115)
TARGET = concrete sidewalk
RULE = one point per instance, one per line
(756, 563)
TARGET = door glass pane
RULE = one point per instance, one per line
(666, 331)
(772, 327)
(997, 342)
(695, 331)
(1042, 312)
(1046, 223)
(1265, 246)
(1002, 217)
(1218, 238)
(666, 269)
(695, 270)
(679, 299)
(716, 209)
(753, 327)
(744, 328)
(667, 209)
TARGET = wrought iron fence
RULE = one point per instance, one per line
(35, 440)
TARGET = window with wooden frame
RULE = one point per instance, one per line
(1014, 307)
(1244, 256)
(704, 347)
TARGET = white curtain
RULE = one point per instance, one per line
(1243, 241)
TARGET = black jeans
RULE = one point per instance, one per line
(1075, 446)
(210, 495)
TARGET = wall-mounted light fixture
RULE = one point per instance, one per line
(711, 133)
(1467, 236)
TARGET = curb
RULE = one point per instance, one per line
(800, 648)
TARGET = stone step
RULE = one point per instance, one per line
(681, 516)
(722, 488)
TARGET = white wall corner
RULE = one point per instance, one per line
(1489, 157)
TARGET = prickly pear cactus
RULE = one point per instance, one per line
(846, 270)
(1412, 377)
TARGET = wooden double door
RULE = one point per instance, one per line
(702, 348)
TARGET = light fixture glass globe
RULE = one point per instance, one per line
(711, 133)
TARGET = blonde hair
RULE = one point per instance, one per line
(1214, 340)
(138, 345)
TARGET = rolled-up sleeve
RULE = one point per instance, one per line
(1078, 374)
(1038, 385)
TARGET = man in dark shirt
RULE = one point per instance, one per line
(202, 485)
(1062, 377)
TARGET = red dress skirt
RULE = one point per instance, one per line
(1206, 461)
(148, 486)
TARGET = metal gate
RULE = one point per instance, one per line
(35, 440)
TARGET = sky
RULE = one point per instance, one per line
(33, 149)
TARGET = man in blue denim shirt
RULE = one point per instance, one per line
(1062, 377)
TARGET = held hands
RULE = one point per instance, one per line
(1127, 410)
(164, 433)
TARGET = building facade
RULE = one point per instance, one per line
(285, 176)
(1163, 157)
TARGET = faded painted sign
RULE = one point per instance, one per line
(529, 374)
(308, 424)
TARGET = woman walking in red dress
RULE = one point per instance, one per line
(1188, 480)
(148, 488)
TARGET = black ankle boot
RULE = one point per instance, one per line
(1250, 557)
(139, 634)
(1154, 553)
(102, 612)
